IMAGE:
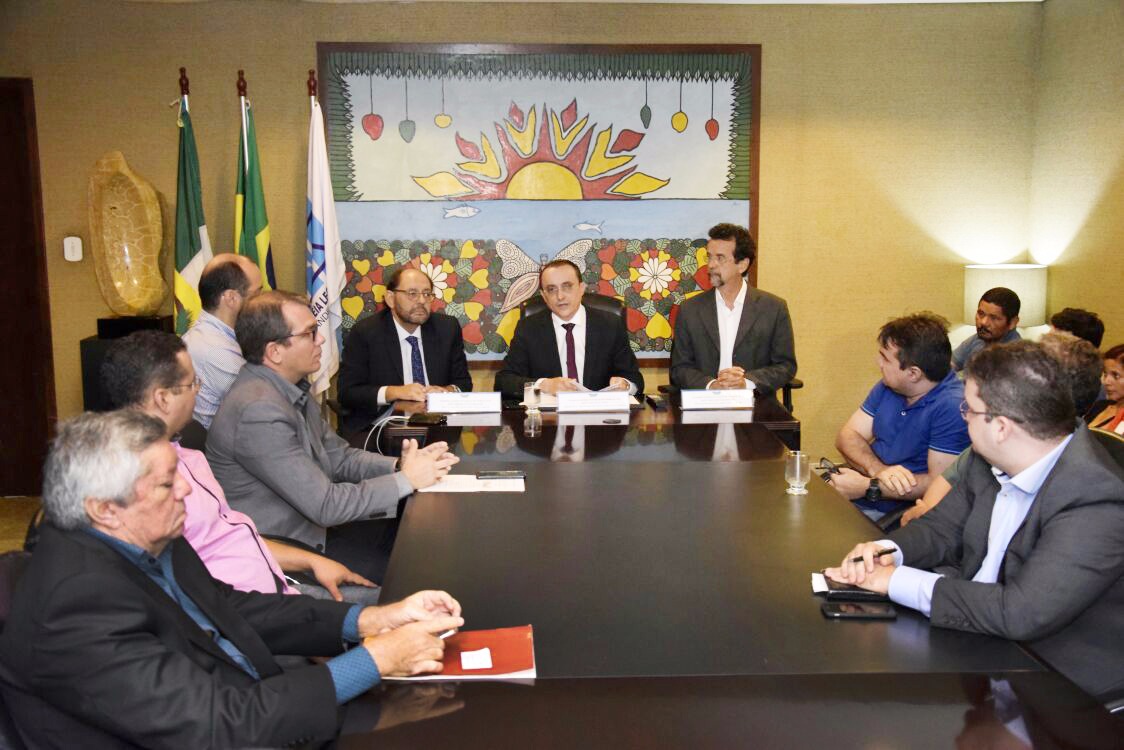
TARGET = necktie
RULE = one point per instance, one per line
(417, 371)
(571, 357)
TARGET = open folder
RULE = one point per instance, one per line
(501, 654)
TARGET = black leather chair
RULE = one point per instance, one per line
(194, 436)
(537, 304)
(1112, 443)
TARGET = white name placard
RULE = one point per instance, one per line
(737, 398)
(463, 403)
(604, 401)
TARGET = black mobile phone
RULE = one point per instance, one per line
(859, 611)
(501, 474)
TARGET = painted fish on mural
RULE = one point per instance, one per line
(461, 212)
(586, 226)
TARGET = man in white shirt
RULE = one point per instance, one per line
(227, 281)
(573, 347)
(1030, 542)
(732, 336)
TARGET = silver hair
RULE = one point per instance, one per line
(95, 456)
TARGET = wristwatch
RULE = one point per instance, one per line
(874, 491)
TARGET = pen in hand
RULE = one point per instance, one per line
(888, 551)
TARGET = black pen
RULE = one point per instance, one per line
(889, 551)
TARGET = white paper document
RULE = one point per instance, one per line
(469, 483)
(549, 401)
(819, 583)
(481, 659)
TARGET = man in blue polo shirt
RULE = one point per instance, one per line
(909, 427)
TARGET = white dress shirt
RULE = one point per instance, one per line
(913, 588)
(728, 320)
(407, 356)
(579, 346)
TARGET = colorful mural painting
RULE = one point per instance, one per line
(520, 155)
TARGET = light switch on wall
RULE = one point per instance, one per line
(72, 248)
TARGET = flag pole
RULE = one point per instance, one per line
(184, 89)
(312, 86)
(242, 110)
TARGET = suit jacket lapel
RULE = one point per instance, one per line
(549, 335)
(710, 321)
(592, 350)
(748, 315)
(393, 348)
(978, 525)
(430, 353)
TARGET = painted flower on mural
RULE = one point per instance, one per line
(440, 272)
(654, 274)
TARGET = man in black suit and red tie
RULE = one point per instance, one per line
(572, 347)
(401, 353)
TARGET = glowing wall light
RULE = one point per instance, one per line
(1028, 280)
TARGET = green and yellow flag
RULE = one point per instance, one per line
(193, 246)
(251, 224)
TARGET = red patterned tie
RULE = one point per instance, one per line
(571, 357)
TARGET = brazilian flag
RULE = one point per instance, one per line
(251, 224)
(193, 246)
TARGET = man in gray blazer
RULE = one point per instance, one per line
(280, 463)
(1030, 542)
(732, 336)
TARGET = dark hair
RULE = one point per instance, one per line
(1081, 323)
(214, 281)
(262, 321)
(1021, 380)
(561, 263)
(137, 363)
(395, 277)
(1007, 300)
(1081, 365)
(1116, 352)
(922, 341)
(744, 246)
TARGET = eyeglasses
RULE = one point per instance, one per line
(311, 333)
(965, 410)
(194, 385)
(414, 295)
(554, 291)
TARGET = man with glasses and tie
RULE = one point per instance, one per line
(1030, 541)
(401, 353)
(279, 461)
(573, 347)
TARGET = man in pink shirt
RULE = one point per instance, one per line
(151, 371)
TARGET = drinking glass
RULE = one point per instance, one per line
(532, 424)
(797, 472)
(531, 396)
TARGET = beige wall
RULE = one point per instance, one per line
(1077, 196)
(895, 140)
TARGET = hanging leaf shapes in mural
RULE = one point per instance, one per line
(679, 119)
(407, 127)
(712, 124)
(563, 158)
(646, 111)
(372, 123)
(442, 120)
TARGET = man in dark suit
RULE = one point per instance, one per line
(732, 336)
(118, 632)
(573, 347)
(400, 353)
(1030, 541)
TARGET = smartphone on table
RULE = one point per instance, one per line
(859, 611)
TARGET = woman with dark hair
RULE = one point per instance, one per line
(1109, 415)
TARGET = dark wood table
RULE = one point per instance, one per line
(643, 435)
(825, 711)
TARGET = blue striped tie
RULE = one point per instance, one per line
(416, 360)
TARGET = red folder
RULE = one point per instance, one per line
(513, 655)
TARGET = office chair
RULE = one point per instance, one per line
(537, 304)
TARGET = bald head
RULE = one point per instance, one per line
(226, 282)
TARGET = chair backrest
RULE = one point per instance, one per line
(12, 565)
(194, 436)
(537, 304)
(1112, 443)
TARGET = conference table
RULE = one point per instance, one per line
(668, 585)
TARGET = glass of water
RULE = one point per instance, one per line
(531, 396)
(797, 472)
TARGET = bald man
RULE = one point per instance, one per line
(401, 353)
(224, 286)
